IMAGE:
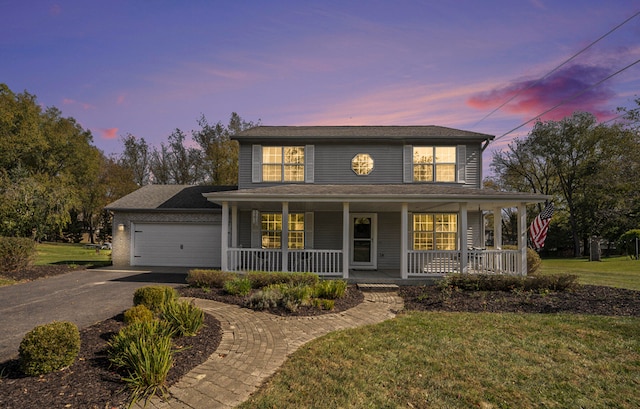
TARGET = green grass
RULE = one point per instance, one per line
(65, 253)
(611, 271)
(465, 360)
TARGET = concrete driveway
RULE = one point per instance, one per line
(83, 297)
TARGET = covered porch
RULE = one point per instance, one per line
(354, 255)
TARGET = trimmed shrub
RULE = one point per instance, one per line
(154, 297)
(533, 259)
(137, 314)
(185, 318)
(491, 282)
(144, 350)
(238, 286)
(48, 348)
(16, 253)
(330, 289)
(209, 278)
(260, 279)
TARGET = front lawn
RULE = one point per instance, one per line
(465, 360)
(616, 271)
(67, 253)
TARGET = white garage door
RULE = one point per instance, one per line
(178, 245)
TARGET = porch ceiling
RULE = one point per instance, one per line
(420, 197)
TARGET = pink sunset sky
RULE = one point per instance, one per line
(147, 68)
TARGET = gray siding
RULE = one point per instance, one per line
(332, 164)
(389, 241)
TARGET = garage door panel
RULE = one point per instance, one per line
(167, 244)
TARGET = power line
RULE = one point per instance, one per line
(555, 69)
(571, 98)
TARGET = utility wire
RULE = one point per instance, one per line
(571, 98)
(556, 69)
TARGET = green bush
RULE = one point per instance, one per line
(209, 278)
(138, 313)
(330, 289)
(627, 242)
(238, 286)
(260, 279)
(16, 253)
(496, 282)
(294, 296)
(144, 350)
(324, 304)
(185, 318)
(48, 348)
(154, 297)
(533, 259)
(264, 299)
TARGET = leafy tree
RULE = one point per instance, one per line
(220, 153)
(136, 157)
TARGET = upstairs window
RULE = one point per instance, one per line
(434, 163)
(435, 231)
(283, 163)
(362, 164)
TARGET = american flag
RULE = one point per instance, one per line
(539, 227)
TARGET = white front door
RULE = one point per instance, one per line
(364, 238)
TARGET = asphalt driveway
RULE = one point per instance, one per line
(83, 297)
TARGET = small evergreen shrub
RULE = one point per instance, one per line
(16, 253)
(144, 351)
(260, 279)
(238, 286)
(264, 299)
(324, 304)
(154, 297)
(48, 348)
(185, 318)
(294, 296)
(209, 278)
(138, 313)
(330, 289)
(496, 282)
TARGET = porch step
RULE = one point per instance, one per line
(377, 287)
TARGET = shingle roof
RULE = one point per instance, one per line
(168, 197)
(330, 133)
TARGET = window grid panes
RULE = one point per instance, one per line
(362, 164)
(272, 230)
(283, 163)
(435, 231)
(434, 163)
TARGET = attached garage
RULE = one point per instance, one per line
(167, 225)
(172, 244)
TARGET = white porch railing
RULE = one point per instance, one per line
(325, 262)
(449, 261)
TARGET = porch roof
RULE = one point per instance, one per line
(486, 199)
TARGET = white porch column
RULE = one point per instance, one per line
(234, 226)
(345, 240)
(497, 228)
(404, 238)
(463, 238)
(224, 242)
(285, 236)
(522, 237)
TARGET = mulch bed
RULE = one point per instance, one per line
(587, 299)
(90, 383)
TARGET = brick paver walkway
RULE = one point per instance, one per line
(255, 344)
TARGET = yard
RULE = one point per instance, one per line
(619, 271)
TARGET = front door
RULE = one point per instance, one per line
(363, 241)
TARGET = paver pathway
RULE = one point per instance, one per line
(255, 344)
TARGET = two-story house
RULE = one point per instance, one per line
(333, 200)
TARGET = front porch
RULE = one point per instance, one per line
(330, 263)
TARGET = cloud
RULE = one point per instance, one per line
(532, 97)
(121, 99)
(109, 133)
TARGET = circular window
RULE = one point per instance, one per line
(362, 164)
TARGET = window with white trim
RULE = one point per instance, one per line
(435, 231)
(283, 163)
(272, 230)
(434, 163)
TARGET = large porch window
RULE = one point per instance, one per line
(272, 230)
(435, 231)
(434, 163)
(283, 163)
